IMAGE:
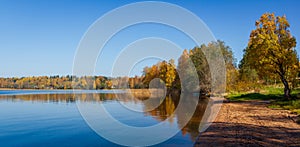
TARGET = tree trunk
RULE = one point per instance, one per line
(287, 90)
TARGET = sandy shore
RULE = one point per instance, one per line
(8, 89)
(251, 124)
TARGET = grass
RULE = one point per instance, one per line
(253, 96)
(266, 93)
(275, 95)
(293, 105)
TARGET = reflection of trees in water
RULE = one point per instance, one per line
(73, 97)
(51, 98)
(165, 110)
(68, 98)
(193, 125)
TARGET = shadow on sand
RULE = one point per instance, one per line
(235, 134)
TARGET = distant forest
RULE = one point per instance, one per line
(69, 82)
(270, 58)
(238, 78)
(166, 71)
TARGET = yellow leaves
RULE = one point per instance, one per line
(269, 47)
(109, 84)
(295, 66)
(164, 70)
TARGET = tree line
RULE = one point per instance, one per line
(270, 57)
(70, 82)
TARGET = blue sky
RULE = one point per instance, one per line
(40, 37)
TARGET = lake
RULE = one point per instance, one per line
(52, 118)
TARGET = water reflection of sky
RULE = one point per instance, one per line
(53, 119)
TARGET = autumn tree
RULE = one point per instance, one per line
(271, 50)
(165, 71)
(149, 73)
(56, 82)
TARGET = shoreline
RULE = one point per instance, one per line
(141, 93)
(134, 90)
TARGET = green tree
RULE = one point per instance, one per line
(247, 74)
(230, 63)
(201, 65)
(195, 59)
(271, 50)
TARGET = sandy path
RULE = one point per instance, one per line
(251, 124)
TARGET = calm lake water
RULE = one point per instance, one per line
(51, 118)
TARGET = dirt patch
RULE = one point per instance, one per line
(251, 124)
